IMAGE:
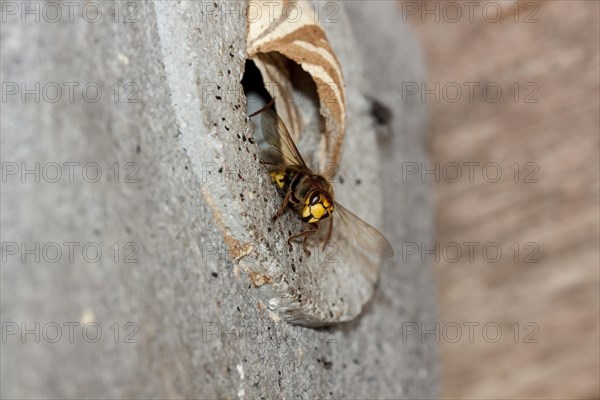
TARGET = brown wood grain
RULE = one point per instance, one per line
(559, 213)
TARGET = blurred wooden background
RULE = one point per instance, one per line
(555, 46)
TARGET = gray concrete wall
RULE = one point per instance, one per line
(192, 313)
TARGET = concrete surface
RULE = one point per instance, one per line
(193, 293)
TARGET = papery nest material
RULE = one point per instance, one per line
(290, 30)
